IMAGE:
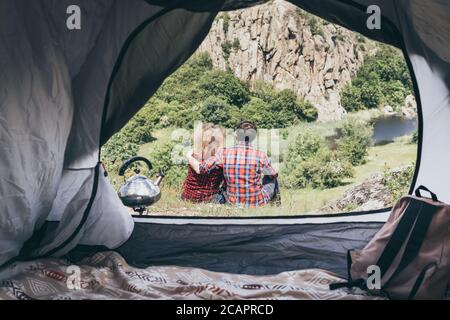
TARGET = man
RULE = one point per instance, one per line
(243, 167)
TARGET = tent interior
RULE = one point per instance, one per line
(65, 94)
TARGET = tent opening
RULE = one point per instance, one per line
(335, 114)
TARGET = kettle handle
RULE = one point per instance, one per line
(128, 163)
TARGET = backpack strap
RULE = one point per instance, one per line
(418, 194)
(399, 236)
(416, 239)
(359, 283)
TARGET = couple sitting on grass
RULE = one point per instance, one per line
(238, 175)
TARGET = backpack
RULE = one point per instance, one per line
(411, 251)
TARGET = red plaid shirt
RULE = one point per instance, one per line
(242, 168)
(201, 187)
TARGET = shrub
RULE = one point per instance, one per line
(323, 170)
(355, 140)
(258, 111)
(225, 85)
(398, 181)
(236, 44)
(395, 94)
(307, 111)
(226, 21)
(315, 25)
(263, 90)
(326, 170)
(309, 163)
(289, 110)
(304, 146)
(164, 160)
(181, 86)
(226, 49)
(218, 111)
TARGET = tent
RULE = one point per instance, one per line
(65, 92)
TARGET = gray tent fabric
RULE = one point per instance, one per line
(54, 83)
(255, 250)
(64, 93)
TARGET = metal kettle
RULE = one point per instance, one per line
(139, 192)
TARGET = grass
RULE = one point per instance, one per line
(294, 202)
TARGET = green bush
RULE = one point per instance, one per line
(355, 140)
(304, 146)
(258, 111)
(326, 170)
(309, 163)
(163, 161)
(263, 90)
(395, 94)
(398, 181)
(226, 21)
(181, 86)
(288, 110)
(236, 44)
(225, 85)
(218, 111)
(307, 111)
(226, 49)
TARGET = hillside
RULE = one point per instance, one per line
(280, 44)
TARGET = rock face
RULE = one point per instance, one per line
(283, 45)
(409, 111)
(371, 194)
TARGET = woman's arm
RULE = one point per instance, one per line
(194, 163)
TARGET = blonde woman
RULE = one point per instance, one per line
(208, 139)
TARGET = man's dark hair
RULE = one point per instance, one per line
(246, 131)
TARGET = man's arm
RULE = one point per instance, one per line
(267, 168)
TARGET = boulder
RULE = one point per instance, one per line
(388, 110)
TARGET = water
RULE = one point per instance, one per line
(385, 130)
(388, 128)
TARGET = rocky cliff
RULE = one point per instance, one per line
(291, 49)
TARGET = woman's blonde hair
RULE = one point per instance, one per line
(208, 139)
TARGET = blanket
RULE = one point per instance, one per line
(106, 275)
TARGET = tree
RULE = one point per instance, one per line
(383, 78)
(355, 140)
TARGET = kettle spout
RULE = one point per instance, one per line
(159, 178)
